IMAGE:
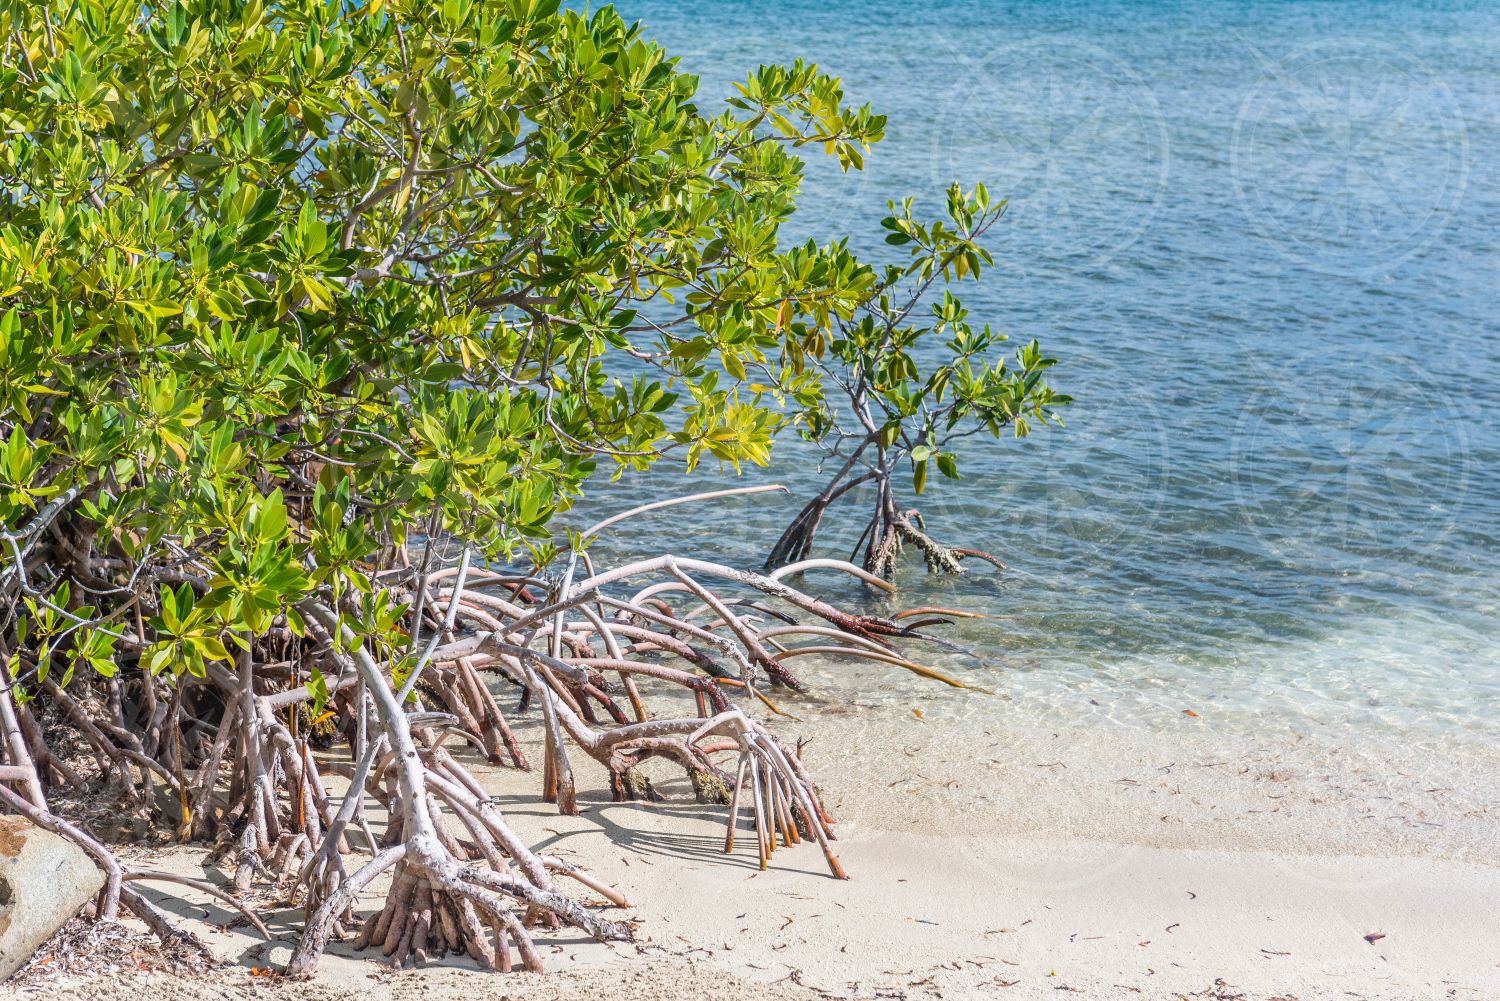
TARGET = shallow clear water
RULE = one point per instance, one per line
(1264, 241)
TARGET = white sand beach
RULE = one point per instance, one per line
(1099, 863)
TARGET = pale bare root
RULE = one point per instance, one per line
(656, 659)
(783, 801)
(449, 893)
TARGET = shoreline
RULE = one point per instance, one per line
(1005, 863)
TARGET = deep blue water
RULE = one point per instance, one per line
(1263, 239)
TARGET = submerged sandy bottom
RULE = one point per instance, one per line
(1014, 863)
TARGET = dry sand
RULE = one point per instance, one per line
(1019, 864)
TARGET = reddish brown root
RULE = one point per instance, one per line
(422, 921)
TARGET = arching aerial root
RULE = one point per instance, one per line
(463, 883)
(783, 802)
(588, 653)
(448, 894)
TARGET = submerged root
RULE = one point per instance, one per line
(887, 532)
(892, 531)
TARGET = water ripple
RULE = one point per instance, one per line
(1264, 238)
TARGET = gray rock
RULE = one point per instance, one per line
(44, 881)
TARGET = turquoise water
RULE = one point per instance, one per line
(1264, 241)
